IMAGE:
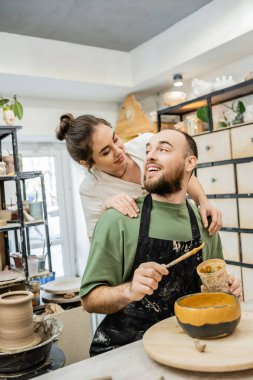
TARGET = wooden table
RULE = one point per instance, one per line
(131, 362)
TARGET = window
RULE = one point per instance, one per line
(50, 159)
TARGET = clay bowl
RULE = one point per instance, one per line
(208, 315)
(19, 360)
(3, 222)
(213, 275)
(5, 214)
(172, 98)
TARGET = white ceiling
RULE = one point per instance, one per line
(194, 37)
(110, 24)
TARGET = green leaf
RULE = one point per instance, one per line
(202, 114)
(18, 109)
(240, 107)
(3, 102)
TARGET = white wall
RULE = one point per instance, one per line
(41, 116)
(238, 69)
(44, 58)
(213, 36)
(212, 28)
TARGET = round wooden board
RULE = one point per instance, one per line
(7, 275)
(168, 344)
(47, 297)
(63, 285)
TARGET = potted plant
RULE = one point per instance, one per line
(239, 110)
(11, 109)
(202, 114)
(203, 117)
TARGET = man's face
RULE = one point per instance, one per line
(165, 162)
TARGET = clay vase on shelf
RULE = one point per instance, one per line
(9, 161)
(36, 210)
(16, 321)
(9, 117)
(18, 260)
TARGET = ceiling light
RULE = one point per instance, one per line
(178, 80)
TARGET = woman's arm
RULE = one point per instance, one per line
(196, 192)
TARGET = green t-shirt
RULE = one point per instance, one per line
(114, 242)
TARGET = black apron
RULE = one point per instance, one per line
(130, 323)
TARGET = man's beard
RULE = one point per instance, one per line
(166, 184)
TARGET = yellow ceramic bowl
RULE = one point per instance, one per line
(208, 315)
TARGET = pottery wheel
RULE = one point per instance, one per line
(7, 275)
(168, 344)
(35, 342)
(55, 360)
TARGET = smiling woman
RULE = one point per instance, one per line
(114, 172)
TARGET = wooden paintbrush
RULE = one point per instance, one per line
(185, 256)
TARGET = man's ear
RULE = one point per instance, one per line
(190, 163)
(84, 163)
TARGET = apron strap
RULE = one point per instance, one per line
(194, 223)
(145, 216)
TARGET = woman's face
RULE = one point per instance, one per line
(108, 150)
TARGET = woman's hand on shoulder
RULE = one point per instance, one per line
(122, 203)
(207, 210)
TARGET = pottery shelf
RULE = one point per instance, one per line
(35, 223)
(214, 98)
(16, 226)
(10, 227)
(19, 280)
(20, 227)
(225, 167)
(23, 176)
(8, 177)
(228, 127)
(29, 175)
(5, 131)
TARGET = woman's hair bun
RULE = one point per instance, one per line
(66, 122)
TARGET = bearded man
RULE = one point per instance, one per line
(125, 276)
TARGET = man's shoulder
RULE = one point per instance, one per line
(113, 215)
(113, 220)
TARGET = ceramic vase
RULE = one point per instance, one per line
(18, 260)
(16, 320)
(36, 210)
(9, 117)
(248, 115)
(9, 161)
